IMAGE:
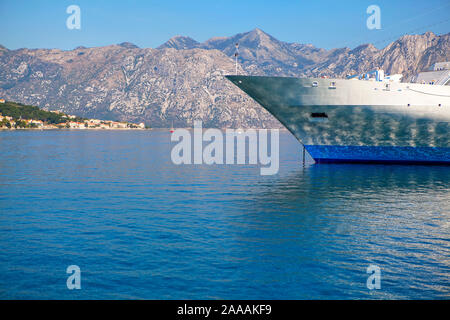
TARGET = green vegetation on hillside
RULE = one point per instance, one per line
(20, 111)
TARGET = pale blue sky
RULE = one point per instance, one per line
(327, 24)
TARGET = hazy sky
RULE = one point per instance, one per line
(327, 24)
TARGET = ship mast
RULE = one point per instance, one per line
(236, 57)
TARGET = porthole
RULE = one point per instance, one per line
(319, 115)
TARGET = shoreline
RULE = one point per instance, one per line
(69, 129)
(127, 129)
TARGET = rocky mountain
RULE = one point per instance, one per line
(262, 54)
(127, 45)
(259, 52)
(180, 43)
(183, 80)
(408, 55)
(115, 82)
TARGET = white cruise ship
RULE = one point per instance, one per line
(365, 118)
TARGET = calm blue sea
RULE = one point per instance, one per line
(140, 227)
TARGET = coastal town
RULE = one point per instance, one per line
(17, 116)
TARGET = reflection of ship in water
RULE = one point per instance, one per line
(364, 118)
(328, 223)
(333, 185)
(353, 181)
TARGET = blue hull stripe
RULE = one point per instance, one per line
(365, 154)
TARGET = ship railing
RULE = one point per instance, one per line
(443, 81)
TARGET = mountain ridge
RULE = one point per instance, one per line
(183, 80)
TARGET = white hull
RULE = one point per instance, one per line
(356, 120)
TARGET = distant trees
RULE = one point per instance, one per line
(20, 111)
(5, 123)
(21, 124)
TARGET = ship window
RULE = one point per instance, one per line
(319, 115)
